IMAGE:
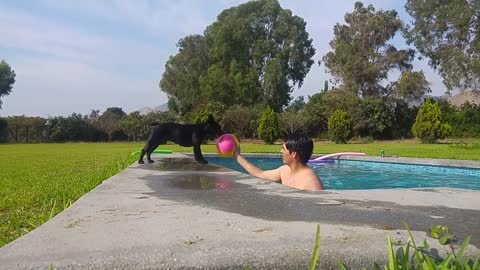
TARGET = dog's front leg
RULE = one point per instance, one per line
(197, 152)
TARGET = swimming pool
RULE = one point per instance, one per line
(356, 174)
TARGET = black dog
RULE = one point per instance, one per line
(184, 135)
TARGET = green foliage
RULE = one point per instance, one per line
(268, 129)
(116, 110)
(465, 121)
(71, 128)
(361, 57)
(371, 118)
(339, 127)
(132, 125)
(7, 79)
(292, 121)
(429, 125)
(109, 122)
(422, 259)
(411, 86)
(441, 233)
(254, 53)
(241, 121)
(322, 105)
(183, 71)
(297, 105)
(447, 32)
(3, 130)
(201, 112)
(404, 117)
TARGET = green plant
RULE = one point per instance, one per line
(422, 259)
(441, 233)
(268, 129)
(339, 127)
(429, 125)
(316, 249)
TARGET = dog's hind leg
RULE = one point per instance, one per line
(142, 154)
(150, 151)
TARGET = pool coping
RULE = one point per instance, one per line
(138, 220)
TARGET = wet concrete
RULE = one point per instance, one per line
(185, 187)
(178, 214)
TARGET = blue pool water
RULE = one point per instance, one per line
(354, 174)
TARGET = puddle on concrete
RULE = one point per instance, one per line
(186, 164)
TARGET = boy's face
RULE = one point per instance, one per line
(287, 157)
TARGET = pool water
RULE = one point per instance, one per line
(355, 174)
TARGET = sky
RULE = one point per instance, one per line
(73, 56)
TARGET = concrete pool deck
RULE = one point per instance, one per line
(178, 214)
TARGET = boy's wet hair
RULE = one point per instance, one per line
(300, 143)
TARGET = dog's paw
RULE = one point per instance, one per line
(141, 162)
(151, 161)
(202, 161)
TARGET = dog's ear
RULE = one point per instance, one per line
(210, 119)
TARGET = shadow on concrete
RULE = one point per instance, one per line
(214, 187)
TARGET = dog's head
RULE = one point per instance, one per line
(212, 128)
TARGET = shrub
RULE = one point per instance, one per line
(268, 129)
(429, 125)
(339, 127)
(3, 130)
(240, 120)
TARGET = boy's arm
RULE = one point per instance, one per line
(272, 175)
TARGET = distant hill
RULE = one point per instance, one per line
(147, 110)
(457, 100)
(460, 98)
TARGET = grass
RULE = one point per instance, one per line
(37, 181)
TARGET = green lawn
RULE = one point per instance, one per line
(37, 181)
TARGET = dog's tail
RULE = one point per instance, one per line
(154, 124)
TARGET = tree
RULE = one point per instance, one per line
(7, 79)
(109, 122)
(339, 127)
(183, 71)
(116, 110)
(238, 120)
(372, 118)
(361, 57)
(132, 125)
(3, 130)
(254, 53)
(71, 128)
(262, 49)
(292, 121)
(268, 129)
(411, 86)
(448, 33)
(429, 125)
(297, 105)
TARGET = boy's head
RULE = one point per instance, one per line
(300, 143)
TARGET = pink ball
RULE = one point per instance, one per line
(226, 145)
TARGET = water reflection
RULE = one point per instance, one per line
(200, 182)
(186, 164)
